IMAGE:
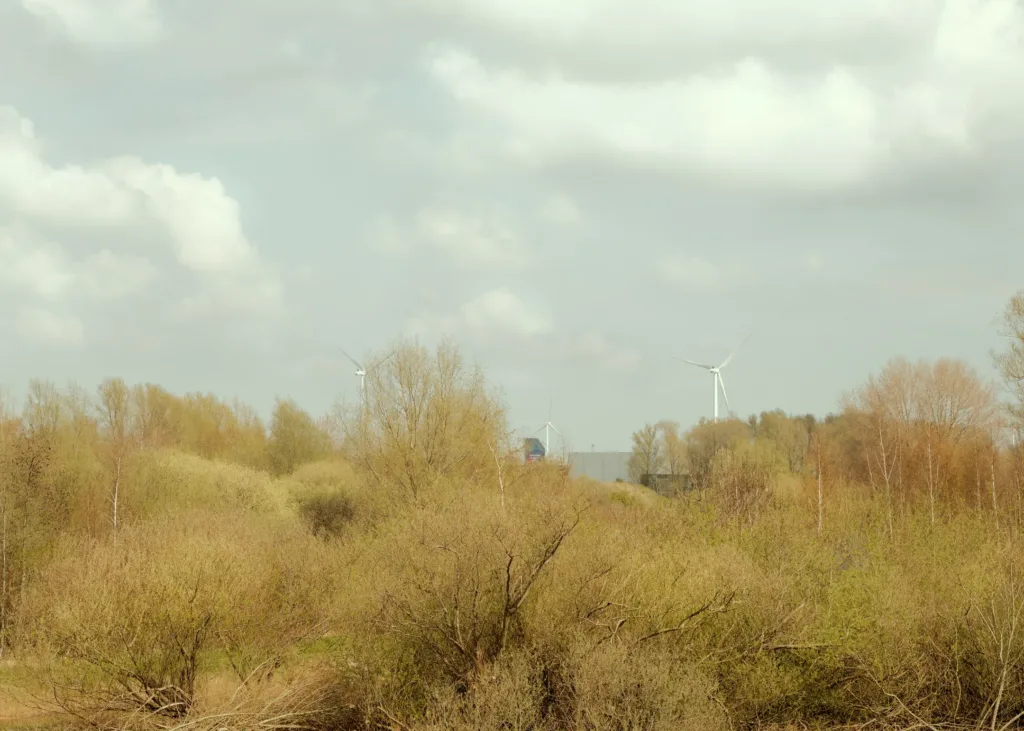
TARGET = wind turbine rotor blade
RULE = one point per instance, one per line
(733, 353)
(693, 363)
(388, 357)
(354, 361)
(725, 393)
(555, 430)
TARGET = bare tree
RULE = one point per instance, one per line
(427, 417)
(117, 423)
(741, 482)
(820, 453)
(707, 439)
(504, 452)
(788, 433)
(673, 447)
(1011, 361)
(647, 457)
(951, 402)
(888, 400)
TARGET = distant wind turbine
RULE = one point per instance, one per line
(548, 427)
(361, 372)
(716, 374)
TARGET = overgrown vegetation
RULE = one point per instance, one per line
(173, 562)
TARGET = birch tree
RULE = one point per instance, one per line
(821, 455)
(116, 416)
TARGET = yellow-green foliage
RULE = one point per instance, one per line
(462, 589)
(328, 496)
(165, 482)
(570, 607)
(295, 439)
(145, 613)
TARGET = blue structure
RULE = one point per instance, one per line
(533, 449)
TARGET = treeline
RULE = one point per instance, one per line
(147, 416)
(924, 435)
(71, 462)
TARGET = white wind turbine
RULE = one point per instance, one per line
(716, 374)
(548, 427)
(361, 372)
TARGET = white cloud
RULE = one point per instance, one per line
(33, 266)
(203, 221)
(100, 22)
(501, 310)
(643, 26)
(692, 273)
(468, 239)
(746, 125)
(44, 326)
(595, 348)
(501, 319)
(255, 292)
(43, 269)
(496, 315)
(754, 122)
(198, 217)
(108, 276)
(562, 210)
(70, 194)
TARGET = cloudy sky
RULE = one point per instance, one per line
(219, 196)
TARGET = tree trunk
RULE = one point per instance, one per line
(117, 488)
(24, 575)
(977, 484)
(931, 482)
(1016, 486)
(995, 499)
(887, 475)
(3, 577)
(821, 503)
(897, 459)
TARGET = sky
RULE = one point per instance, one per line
(222, 196)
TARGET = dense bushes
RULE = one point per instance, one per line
(134, 623)
(428, 579)
(565, 609)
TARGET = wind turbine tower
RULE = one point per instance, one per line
(548, 427)
(716, 376)
(361, 372)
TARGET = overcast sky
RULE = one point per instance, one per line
(220, 195)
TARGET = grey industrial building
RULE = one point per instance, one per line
(612, 466)
(603, 466)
